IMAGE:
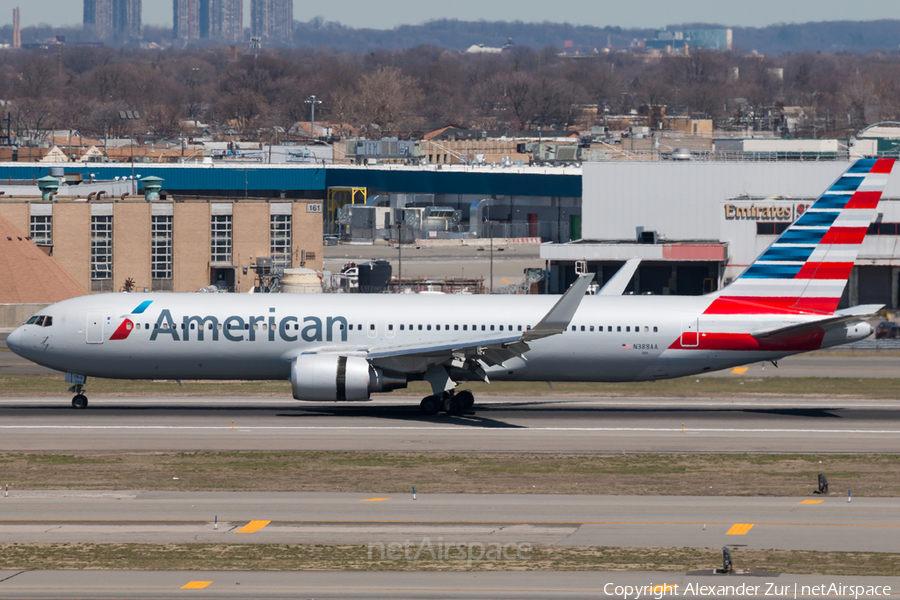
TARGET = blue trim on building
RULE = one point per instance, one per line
(236, 178)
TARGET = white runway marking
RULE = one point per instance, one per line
(456, 428)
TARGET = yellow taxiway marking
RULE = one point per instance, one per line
(196, 585)
(253, 526)
(812, 502)
(739, 370)
(739, 529)
(374, 499)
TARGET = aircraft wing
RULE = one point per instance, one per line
(855, 313)
(491, 348)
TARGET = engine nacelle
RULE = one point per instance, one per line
(329, 377)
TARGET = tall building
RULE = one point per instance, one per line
(186, 19)
(113, 19)
(17, 30)
(222, 20)
(272, 19)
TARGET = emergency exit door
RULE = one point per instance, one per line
(690, 333)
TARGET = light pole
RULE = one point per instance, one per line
(491, 230)
(255, 44)
(312, 101)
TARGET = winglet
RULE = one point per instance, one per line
(559, 317)
(616, 286)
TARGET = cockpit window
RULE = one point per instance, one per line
(31, 320)
(48, 321)
(40, 321)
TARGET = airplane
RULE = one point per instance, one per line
(345, 347)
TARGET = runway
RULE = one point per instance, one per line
(426, 585)
(827, 523)
(510, 424)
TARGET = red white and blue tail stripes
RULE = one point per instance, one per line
(807, 267)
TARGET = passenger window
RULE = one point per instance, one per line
(192, 326)
(627, 328)
(646, 329)
(438, 327)
(246, 325)
(428, 327)
(582, 327)
(520, 328)
(492, 327)
(371, 326)
(390, 326)
(465, 327)
(655, 329)
(401, 327)
(420, 328)
(359, 326)
(350, 327)
(31, 321)
(501, 328)
(137, 325)
(482, 327)
(218, 326)
(573, 328)
(592, 327)
(637, 328)
(256, 327)
(456, 328)
(610, 328)
(446, 328)
(618, 328)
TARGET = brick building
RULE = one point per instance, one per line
(177, 245)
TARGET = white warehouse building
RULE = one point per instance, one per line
(697, 225)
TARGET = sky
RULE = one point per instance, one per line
(390, 13)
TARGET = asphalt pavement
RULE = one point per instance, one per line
(427, 585)
(513, 424)
(827, 523)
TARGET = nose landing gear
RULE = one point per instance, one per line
(80, 400)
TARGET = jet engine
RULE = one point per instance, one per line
(329, 377)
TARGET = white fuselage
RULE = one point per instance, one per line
(255, 336)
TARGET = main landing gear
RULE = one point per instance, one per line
(80, 400)
(450, 403)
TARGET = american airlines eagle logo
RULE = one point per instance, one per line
(127, 325)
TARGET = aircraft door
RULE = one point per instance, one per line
(690, 333)
(94, 328)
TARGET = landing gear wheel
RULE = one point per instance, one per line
(452, 406)
(467, 399)
(430, 405)
(80, 401)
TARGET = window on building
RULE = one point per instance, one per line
(42, 230)
(101, 248)
(874, 228)
(161, 252)
(220, 239)
(280, 236)
(770, 228)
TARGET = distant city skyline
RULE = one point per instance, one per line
(391, 13)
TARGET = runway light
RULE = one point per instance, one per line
(414, 492)
(216, 525)
(848, 495)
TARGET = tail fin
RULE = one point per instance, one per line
(806, 268)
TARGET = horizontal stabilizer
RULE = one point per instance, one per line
(616, 286)
(841, 317)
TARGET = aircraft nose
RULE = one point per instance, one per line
(14, 341)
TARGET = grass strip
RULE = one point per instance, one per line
(685, 387)
(275, 557)
(456, 472)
